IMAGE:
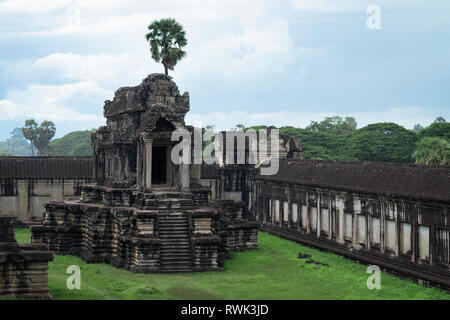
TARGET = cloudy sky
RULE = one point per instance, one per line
(253, 62)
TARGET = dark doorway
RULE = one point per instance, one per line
(159, 165)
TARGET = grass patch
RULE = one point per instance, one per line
(271, 272)
(22, 235)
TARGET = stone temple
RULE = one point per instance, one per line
(131, 206)
(143, 212)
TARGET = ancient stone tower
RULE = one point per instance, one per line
(144, 212)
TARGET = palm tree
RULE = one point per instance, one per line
(167, 38)
(432, 150)
(29, 132)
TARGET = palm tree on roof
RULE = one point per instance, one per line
(166, 39)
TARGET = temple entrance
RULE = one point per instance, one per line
(159, 165)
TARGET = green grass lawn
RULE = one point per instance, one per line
(271, 272)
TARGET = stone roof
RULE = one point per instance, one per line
(46, 167)
(156, 88)
(126, 100)
(397, 179)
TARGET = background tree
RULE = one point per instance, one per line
(240, 126)
(16, 145)
(75, 144)
(45, 132)
(432, 150)
(436, 129)
(417, 127)
(381, 142)
(440, 120)
(256, 128)
(29, 131)
(334, 125)
(166, 38)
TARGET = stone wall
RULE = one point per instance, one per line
(26, 183)
(27, 200)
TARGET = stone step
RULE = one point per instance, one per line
(166, 216)
(175, 241)
(177, 270)
(174, 230)
(176, 227)
(171, 228)
(174, 235)
(175, 247)
(184, 256)
(174, 238)
(175, 263)
(175, 252)
(175, 244)
(178, 257)
(168, 223)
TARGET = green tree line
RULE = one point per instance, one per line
(333, 138)
(336, 138)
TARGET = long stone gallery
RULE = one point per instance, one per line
(132, 207)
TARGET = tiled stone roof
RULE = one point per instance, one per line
(398, 179)
(46, 167)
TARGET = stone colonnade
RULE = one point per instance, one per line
(392, 232)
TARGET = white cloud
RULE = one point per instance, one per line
(255, 50)
(329, 5)
(8, 110)
(94, 67)
(50, 102)
(31, 6)
(242, 38)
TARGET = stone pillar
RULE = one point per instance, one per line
(148, 163)
(7, 229)
(382, 226)
(355, 242)
(330, 219)
(222, 187)
(8, 241)
(340, 212)
(369, 231)
(185, 177)
(356, 215)
(319, 215)
(397, 229)
(24, 200)
(138, 165)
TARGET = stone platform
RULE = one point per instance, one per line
(164, 231)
